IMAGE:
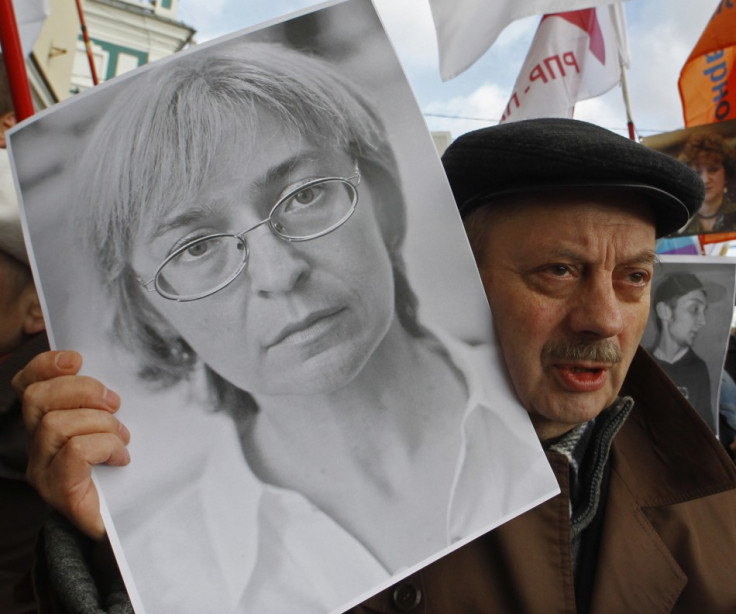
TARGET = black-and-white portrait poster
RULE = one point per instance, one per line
(692, 308)
(253, 243)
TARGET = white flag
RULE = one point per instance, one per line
(30, 15)
(574, 56)
(467, 28)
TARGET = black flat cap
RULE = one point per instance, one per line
(681, 283)
(540, 155)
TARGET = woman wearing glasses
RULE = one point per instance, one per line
(249, 222)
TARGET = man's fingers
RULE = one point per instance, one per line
(57, 476)
(57, 429)
(73, 463)
(45, 366)
(65, 393)
(66, 481)
(71, 428)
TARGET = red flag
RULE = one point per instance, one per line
(708, 79)
(574, 56)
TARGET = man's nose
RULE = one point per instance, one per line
(274, 266)
(597, 309)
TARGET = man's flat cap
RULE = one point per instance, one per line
(541, 155)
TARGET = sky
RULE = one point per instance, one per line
(661, 35)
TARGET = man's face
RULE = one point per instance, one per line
(688, 317)
(568, 281)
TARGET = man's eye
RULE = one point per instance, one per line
(559, 270)
(639, 277)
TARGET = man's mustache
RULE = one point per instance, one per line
(603, 351)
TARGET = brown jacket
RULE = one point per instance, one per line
(669, 535)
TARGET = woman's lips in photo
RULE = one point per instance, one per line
(582, 378)
(305, 330)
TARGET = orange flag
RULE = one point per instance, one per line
(708, 78)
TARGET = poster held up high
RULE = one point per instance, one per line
(254, 244)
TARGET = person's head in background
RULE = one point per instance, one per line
(20, 311)
(7, 112)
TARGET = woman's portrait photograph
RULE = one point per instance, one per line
(710, 150)
(254, 242)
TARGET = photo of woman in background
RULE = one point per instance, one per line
(711, 156)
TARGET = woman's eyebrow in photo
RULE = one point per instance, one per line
(192, 215)
(283, 170)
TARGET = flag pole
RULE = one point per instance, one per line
(619, 23)
(87, 43)
(15, 64)
(627, 103)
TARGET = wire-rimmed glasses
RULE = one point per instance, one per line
(208, 264)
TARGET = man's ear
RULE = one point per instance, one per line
(33, 321)
(664, 311)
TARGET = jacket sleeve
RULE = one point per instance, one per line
(75, 574)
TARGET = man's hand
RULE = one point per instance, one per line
(71, 427)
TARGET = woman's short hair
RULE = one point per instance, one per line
(707, 148)
(156, 143)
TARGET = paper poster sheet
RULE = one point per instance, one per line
(254, 244)
(689, 326)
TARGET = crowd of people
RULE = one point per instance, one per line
(562, 218)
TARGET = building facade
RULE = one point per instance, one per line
(124, 35)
